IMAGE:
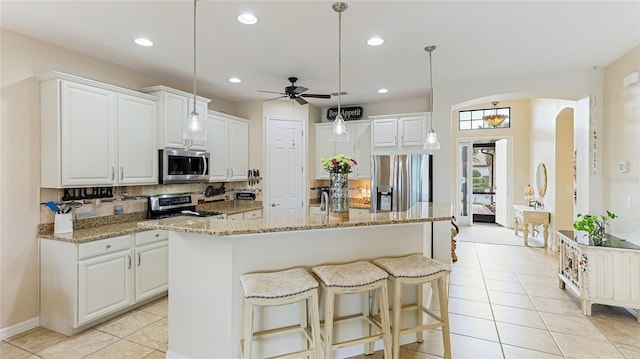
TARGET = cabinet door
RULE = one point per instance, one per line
(104, 285)
(88, 135)
(238, 149)
(627, 276)
(384, 132)
(152, 263)
(601, 275)
(362, 145)
(175, 114)
(217, 147)
(324, 148)
(412, 131)
(137, 151)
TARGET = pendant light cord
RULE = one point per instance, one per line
(431, 90)
(339, 58)
(195, 2)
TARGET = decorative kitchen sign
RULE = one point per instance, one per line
(348, 113)
(71, 194)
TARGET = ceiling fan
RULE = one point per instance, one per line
(296, 93)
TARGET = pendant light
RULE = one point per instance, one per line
(339, 131)
(431, 143)
(194, 129)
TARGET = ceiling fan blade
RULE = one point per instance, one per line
(299, 89)
(279, 93)
(315, 95)
(300, 100)
(275, 98)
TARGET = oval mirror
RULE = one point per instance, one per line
(541, 179)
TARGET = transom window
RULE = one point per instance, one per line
(472, 119)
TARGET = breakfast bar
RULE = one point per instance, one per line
(207, 257)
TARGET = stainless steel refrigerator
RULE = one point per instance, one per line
(399, 181)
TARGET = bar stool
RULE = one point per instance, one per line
(416, 269)
(351, 278)
(280, 288)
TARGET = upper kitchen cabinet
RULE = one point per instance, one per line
(228, 144)
(175, 108)
(403, 133)
(94, 134)
(358, 147)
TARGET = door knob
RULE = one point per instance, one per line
(273, 204)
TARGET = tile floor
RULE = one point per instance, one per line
(504, 303)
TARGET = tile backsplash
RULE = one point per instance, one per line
(133, 199)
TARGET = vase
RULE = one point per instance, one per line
(339, 195)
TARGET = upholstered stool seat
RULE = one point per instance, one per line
(280, 288)
(350, 278)
(417, 269)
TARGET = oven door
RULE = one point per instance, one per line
(183, 166)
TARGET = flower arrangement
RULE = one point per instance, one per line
(338, 164)
(594, 225)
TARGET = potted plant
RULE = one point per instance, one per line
(594, 226)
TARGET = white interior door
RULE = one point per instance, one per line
(464, 183)
(501, 179)
(285, 169)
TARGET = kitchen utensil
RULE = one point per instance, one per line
(54, 207)
(257, 176)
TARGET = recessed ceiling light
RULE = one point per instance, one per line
(143, 42)
(383, 91)
(235, 80)
(375, 41)
(247, 19)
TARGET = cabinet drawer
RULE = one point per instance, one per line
(255, 214)
(235, 216)
(104, 246)
(151, 236)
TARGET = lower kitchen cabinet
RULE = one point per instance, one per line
(82, 284)
(253, 214)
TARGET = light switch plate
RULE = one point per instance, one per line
(625, 201)
(623, 166)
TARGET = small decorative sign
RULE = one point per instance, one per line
(71, 194)
(348, 113)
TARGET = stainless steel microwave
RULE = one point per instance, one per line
(183, 166)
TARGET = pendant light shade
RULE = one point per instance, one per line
(194, 129)
(339, 131)
(431, 142)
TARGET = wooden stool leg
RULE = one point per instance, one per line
(384, 304)
(315, 325)
(304, 321)
(328, 323)
(248, 328)
(420, 334)
(444, 316)
(397, 316)
(366, 311)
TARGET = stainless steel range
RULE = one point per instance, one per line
(171, 205)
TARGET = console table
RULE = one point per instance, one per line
(608, 274)
(526, 216)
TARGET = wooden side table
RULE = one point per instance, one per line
(526, 216)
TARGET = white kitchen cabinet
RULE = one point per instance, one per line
(228, 144)
(358, 147)
(175, 108)
(82, 284)
(137, 149)
(94, 134)
(104, 283)
(235, 216)
(402, 133)
(253, 214)
(151, 258)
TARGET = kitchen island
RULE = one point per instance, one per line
(208, 256)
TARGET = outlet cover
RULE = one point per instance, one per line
(625, 201)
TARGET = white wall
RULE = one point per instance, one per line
(621, 135)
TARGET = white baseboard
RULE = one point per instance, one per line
(19, 328)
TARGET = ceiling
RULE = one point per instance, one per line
(476, 41)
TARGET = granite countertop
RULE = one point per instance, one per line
(421, 212)
(95, 233)
(228, 207)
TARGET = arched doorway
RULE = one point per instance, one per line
(564, 170)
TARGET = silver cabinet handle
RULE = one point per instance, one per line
(204, 170)
(121, 173)
(273, 204)
(113, 174)
(232, 172)
(139, 259)
(129, 259)
(157, 235)
(108, 246)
